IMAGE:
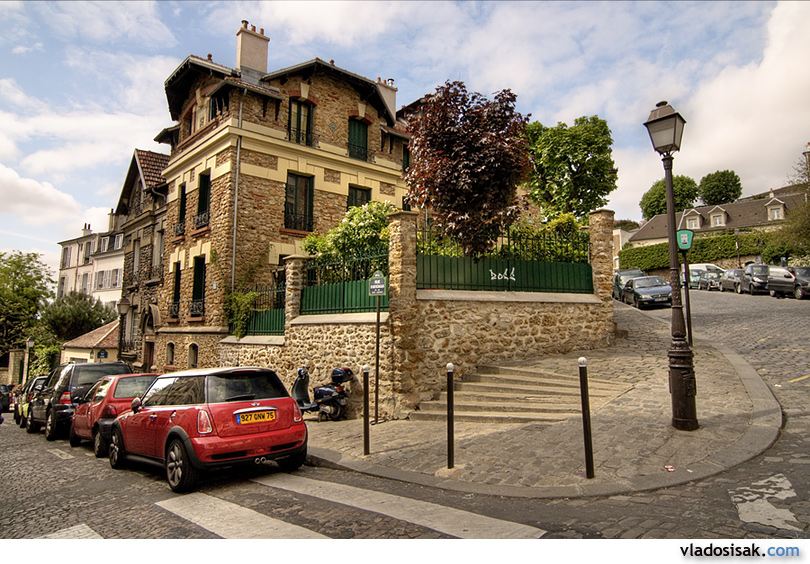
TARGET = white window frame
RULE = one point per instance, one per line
(718, 220)
(692, 223)
(775, 213)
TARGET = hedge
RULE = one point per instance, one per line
(704, 249)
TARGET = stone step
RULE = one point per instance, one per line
(529, 389)
(550, 409)
(484, 417)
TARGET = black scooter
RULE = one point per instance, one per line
(330, 399)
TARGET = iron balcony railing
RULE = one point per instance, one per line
(201, 220)
(358, 152)
(179, 228)
(303, 137)
(196, 308)
(174, 309)
(299, 222)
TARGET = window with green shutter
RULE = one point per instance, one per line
(204, 201)
(197, 305)
(358, 140)
(300, 124)
(358, 196)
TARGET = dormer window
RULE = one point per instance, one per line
(718, 220)
(692, 223)
(775, 213)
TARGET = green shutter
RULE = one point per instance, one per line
(198, 291)
(182, 216)
(176, 296)
(204, 203)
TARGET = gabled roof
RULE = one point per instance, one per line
(105, 337)
(367, 88)
(741, 214)
(144, 173)
(179, 83)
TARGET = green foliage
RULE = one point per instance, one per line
(626, 224)
(704, 249)
(654, 200)
(25, 286)
(362, 231)
(795, 234)
(238, 305)
(574, 170)
(468, 156)
(75, 314)
(721, 187)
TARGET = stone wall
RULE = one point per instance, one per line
(426, 329)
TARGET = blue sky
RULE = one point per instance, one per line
(81, 84)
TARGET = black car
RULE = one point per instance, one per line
(754, 279)
(730, 280)
(620, 278)
(791, 281)
(5, 397)
(647, 291)
(802, 274)
(53, 405)
(709, 280)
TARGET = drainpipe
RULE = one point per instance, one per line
(236, 192)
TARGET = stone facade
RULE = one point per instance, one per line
(425, 329)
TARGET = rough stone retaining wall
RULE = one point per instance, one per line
(426, 329)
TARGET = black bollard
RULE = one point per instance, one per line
(586, 416)
(366, 441)
(450, 444)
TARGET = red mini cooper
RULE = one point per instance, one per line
(196, 420)
(107, 399)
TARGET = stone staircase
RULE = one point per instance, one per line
(495, 394)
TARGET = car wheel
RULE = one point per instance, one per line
(16, 415)
(30, 426)
(100, 446)
(117, 454)
(738, 288)
(50, 426)
(23, 421)
(799, 293)
(635, 303)
(180, 474)
(292, 463)
(73, 438)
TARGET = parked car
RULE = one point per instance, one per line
(781, 282)
(197, 420)
(707, 266)
(5, 397)
(694, 277)
(53, 405)
(107, 399)
(802, 274)
(25, 394)
(753, 279)
(709, 280)
(620, 278)
(730, 280)
(647, 291)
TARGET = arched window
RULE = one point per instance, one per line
(192, 355)
(170, 353)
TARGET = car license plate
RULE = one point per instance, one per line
(660, 299)
(256, 417)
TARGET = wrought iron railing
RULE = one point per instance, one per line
(174, 309)
(299, 222)
(303, 137)
(201, 220)
(341, 286)
(179, 228)
(196, 308)
(358, 152)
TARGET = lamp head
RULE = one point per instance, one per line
(665, 127)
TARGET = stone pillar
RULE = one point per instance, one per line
(601, 232)
(294, 266)
(403, 312)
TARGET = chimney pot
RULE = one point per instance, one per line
(261, 30)
(332, 62)
(253, 28)
(244, 24)
(209, 56)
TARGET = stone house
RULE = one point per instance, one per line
(142, 212)
(258, 160)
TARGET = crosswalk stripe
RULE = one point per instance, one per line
(454, 522)
(231, 521)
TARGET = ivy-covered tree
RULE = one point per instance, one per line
(75, 314)
(654, 200)
(573, 170)
(721, 187)
(468, 157)
(25, 287)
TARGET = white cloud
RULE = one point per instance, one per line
(35, 203)
(23, 49)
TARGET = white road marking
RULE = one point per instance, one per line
(454, 522)
(60, 453)
(231, 521)
(76, 532)
(754, 507)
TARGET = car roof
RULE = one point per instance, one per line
(216, 371)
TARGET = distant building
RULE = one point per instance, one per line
(99, 345)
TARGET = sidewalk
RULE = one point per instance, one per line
(635, 446)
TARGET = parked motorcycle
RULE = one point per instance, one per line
(330, 399)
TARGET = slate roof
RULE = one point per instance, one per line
(105, 337)
(747, 213)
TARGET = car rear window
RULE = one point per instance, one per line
(133, 387)
(184, 390)
(245, 385)
(90, 374)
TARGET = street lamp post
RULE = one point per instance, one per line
(29, 343)
(123, 308)
(665, 127)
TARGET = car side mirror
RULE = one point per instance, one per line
(136, 405)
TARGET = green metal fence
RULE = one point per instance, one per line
(267, 315)
(341, 286)
(519, 263)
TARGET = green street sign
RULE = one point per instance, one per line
(684, 237)
(376, 284)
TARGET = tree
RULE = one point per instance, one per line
(721, 187)
(468, 156)
(25, 286)
(361, 231)
(626, 224)
(574, 170)
(75, 314)
(654, 200)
